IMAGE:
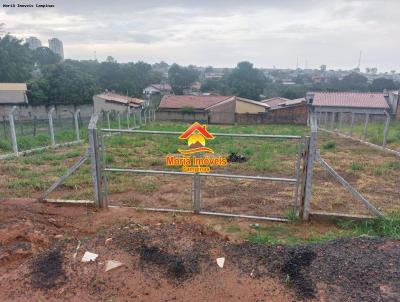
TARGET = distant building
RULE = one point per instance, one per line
(213, 75)
(33, 42)
(13, 94)
(56, 46)
(156, 89)
(108, 101)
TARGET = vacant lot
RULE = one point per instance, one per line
(371, 172)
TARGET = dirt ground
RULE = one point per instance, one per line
(173, 258)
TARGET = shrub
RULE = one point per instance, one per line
(329, 145)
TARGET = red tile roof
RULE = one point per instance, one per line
(192, 101)
(113, 97)
(350, 99)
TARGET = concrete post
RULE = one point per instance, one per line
(12, 130)
(134, 118)
(51, 127)
(108, 119)
(352, 123)
(76, 123)
(119, 119)
(95, 161)
(332, 120)
(366, 126)
(309, 170)
(385, 131)
(128, 116)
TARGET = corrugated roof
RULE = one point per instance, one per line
(162, 86)
(124, 99)
(192, 101)
(350, 99)
(13, 86)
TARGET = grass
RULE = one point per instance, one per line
(356, 166)
(331, 145)
(388, 226)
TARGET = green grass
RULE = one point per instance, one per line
(388, 226)
(356, 166)
(331, 145)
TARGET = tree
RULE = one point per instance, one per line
(68, 84)
(44, 56)
(16, 60)
(246, 81)
(354, 82)
(181, 77)
(380, 84)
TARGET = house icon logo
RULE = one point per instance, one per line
(196, 136)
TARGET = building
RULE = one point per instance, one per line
(158, 89)
(109, 101)
(33, 42)
(13, 94)
(56, 46)
(339, 106)
(207, 108)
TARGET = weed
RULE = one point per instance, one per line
(233, 229)
(331, 145)
(355, 166)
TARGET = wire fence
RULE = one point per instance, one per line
(20, 134)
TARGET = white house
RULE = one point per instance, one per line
(162, 89)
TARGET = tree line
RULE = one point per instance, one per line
(53, 80)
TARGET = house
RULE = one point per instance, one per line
(155, 89)
(13, 93)
(340, 105)
(274, 102)
(109, 101)
(207, 108)
(194, 89)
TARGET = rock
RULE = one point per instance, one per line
(59, 236)
(88, 256)
(221, 261)
(112, 264)
(52, 220)
(108, 241)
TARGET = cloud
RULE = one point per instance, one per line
(220, 33)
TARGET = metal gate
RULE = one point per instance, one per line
(101, 171)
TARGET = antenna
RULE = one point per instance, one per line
(359, 60)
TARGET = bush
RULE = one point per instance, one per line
(329, 145)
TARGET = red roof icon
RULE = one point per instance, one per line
(196, 126)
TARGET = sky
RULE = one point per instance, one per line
(220, 33)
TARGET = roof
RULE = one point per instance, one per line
(192, 101)
(124, 99)
(162, 86)
(196, 127)
(253, 102)
(13, 86)
(350, 99)
(274, 102)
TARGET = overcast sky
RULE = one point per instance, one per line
(219, 33)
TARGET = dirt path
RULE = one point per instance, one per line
(172, 258)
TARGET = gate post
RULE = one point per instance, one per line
(309, 162)
(50, 115)
(95, 161)
(196, 193)
(12, 130)
(119, 119)
(76, 122)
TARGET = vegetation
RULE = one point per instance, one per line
(182, 78)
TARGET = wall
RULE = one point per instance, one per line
(40, 111)
(222, 114)
(174, 115)
(244, 107)
(100, 105)
(287, 115)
